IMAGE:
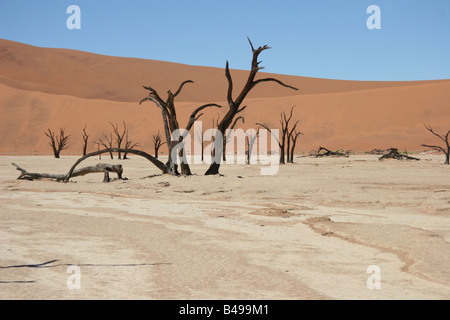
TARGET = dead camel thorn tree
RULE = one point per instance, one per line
(287, 134)
(235, 104)
(293, 135)
(157, 143)
(119, 135)
(106, 142)
(85, 137)
(171, 126)
(57, 142)
(444, 138)
(129, 144)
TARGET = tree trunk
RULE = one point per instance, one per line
(291, 160)
(288, 149)
(282, 154)
(294, 136)
(213, 169)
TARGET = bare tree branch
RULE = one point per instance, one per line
(433, 147)
(194, 116)
(230, 86)
(273, 80)
(181, 87)
(444, 138)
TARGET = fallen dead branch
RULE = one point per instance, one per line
(328, 153)
(101, 167)
(393, 153)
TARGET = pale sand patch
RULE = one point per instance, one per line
(228, 237)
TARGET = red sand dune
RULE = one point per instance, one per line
(51, 88)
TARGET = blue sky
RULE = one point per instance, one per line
(315, 38)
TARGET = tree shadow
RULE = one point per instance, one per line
(41, 265)
(49, 264)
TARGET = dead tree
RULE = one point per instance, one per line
(285, 134)
(106, 143)
(129, 144)
(119, 135)
(199, 138)
(444, 138)
(157, 143)
(57, 142)
(328, 153)
(392, 153)
(235, 104)
(171, 125)
(85, 137)
(289, 132)
(293, 136)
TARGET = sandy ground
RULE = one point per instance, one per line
(309, 232)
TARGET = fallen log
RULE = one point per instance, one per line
(328, 153)
(393, 153)
(101, 167)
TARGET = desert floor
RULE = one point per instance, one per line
(309, 232)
